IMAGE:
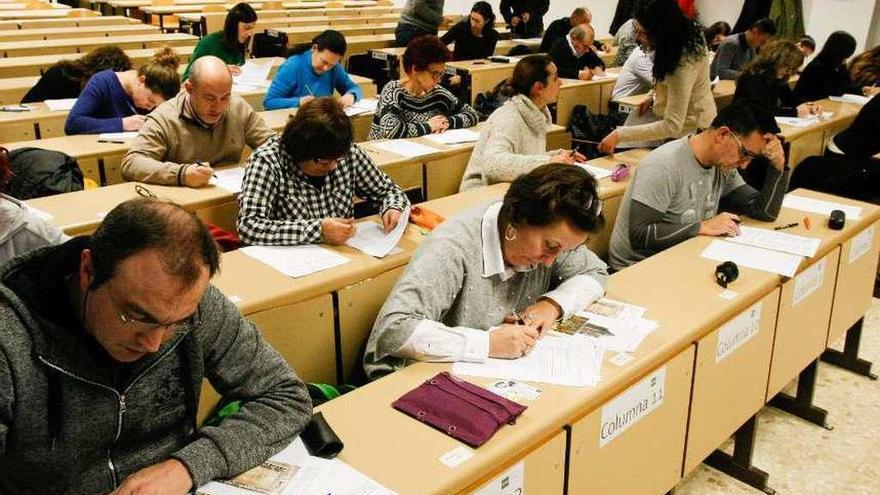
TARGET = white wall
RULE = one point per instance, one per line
(821, 17)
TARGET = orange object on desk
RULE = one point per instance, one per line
(425, 218)
(807, 223)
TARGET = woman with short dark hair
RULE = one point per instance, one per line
(300, 188)
(826, 75)
(715, 34)
(475, 36)
(230, 44)
(525, 255)
(312, 73)
(416, 104)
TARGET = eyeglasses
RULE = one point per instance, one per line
(437, 74)
(191, 321)
(744, 154)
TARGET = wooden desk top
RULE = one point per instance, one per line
(37, 14)
(110, 20)
(78, 31)
(843, 113)
(146, 7)
(76, 43)
(23, 6)
(31, 65)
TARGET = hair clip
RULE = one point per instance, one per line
(620, 173)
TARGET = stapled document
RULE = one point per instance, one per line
(371, 238)
(296, 261)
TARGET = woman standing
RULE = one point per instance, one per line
(230, 44)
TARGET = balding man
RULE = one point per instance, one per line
(560, 27)
(203, 126)
(574, 55)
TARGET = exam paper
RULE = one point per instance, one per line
(229, 179)
(296, 261)
(598, 173)
(776, 241)
(626, 337)
(804, 122)
(454, 136)
(117, 136)
(58, 105)
(562, 360)
(405, 148)
(851, 98)
(822, 207)
(371, 238)
(753, 257)
(253, 73)
(366, 105)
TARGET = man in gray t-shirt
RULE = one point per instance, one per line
(677, 189)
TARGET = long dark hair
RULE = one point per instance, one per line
(839, 46)
(485, 10)
(242, 12)
(673, 35)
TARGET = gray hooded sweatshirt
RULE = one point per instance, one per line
(73, 421)
(22, 230)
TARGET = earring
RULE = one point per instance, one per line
(510, 233)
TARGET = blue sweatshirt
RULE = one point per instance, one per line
(100, 107)
(296, 78)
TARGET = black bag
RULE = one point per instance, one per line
(588, 129)
(270, 43)
(38, 172)
(488, 102)
(363, 64)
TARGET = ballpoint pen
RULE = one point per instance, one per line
(786, 226)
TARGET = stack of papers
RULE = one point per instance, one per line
(557, 359)
(616, 325)
(804, 122)
(371, 238)
(454, 136)
(598, 173)
(296, 261)
(405, 148)
(294, 471)
(229, 179)
(366, 105)
(777, 241)
(117, 137)
(58, 105)
(851, 98)
(822, 207)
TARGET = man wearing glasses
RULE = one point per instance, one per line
(300, 189)
(677, 189)
(106, 340)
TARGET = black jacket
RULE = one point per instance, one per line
(773, 93)
(536, 10)
(567, 65)
(820, 80)
(557, 30)
(860, 138)
(468, 46)
(55, 84)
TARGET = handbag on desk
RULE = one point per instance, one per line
(460, 409)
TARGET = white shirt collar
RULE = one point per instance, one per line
(571, 45)
(493, 258)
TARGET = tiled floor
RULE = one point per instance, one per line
(804, 459)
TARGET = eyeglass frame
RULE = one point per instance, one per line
(744, 153)
(193, 320)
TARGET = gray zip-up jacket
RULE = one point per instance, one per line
(73, 421)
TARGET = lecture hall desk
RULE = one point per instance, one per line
(34, 65)
(77, 32)
(27, 24)
(811, 140)
(15, 49)
(39, 14)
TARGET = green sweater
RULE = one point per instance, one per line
(212, 44)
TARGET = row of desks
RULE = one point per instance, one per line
(25, 24)
(158, 13)
(21, 49)
(87, 31)
(43, 13)
(676, 400)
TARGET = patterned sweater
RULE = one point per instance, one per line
(402, 115)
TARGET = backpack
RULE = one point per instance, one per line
(588, 129)
(38, 172)
(488, 102)
(270, 43)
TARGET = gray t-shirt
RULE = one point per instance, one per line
(671, 180)
(426, 14)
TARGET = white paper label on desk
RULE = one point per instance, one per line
(861, 244)
(59, 105)
(296, 261)
(511, 482)
(117, 137)
(405, 148)
(811, 205)
(777, 241)
(454, 136)
(808, 282)
(365, 105)
(456, 456)
(598, 173)
(229, 179)
(752, 257)
(737, 332)
(632, 405)
(371, 238)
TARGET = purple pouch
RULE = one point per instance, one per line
(458, 408)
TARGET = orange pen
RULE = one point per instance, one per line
(807, 223)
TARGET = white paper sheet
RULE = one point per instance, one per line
(753, 257)
(253, 73)
(822, 207)
(562, 360)
(625, 337)
(777, 241)
(229, 179)
(116, 137)
(366, 105)
(371, 238)
(611, 312)
(809, 281)
(851, 98)
(454, 136)
(405, 148)
(296, 261)
(598, 172)
(861, 244)
(62, 104)
(804, 122)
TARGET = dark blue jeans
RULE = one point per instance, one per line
(406, 32)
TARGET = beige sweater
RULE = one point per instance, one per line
(172, 139)
(683, 102)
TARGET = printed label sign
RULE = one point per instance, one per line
(861, 244)
(632, 405)
(808, 282)
(737, 332)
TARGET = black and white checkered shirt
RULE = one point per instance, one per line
(279, 206)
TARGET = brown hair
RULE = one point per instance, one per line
(319, 130)
(101, 58)
(528, 71)
(864, 69)
(424, 51)
(775, 55)
(160, 73)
